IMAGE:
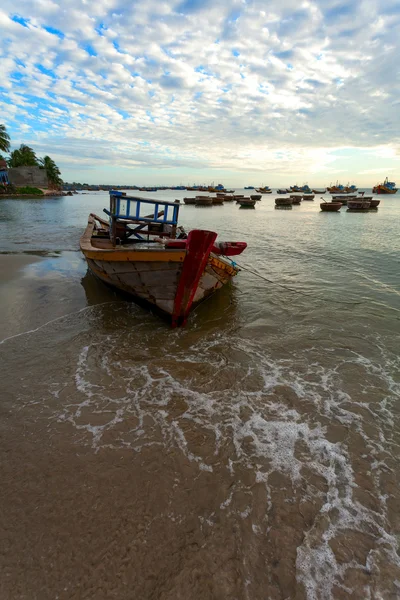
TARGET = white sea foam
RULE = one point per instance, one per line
(279, 425)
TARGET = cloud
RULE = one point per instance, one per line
(198, 84)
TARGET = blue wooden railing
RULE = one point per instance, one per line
(133, 208)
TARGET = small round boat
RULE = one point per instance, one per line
(255, 196)
(374, 203)
(283, 201)
(330, 206)
(358, 205)
(308, 197)
(246, 203)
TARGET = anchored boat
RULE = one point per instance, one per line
(387, 187)
(151, 258)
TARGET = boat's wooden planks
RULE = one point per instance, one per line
(143, 267)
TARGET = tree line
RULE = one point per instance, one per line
(25, 156)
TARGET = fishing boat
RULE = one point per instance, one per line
(336, 189)
(255, 196)
(283, 201)
(190, 200)
(387, 187)
(330, 206)
(204, 201)
(246, 203)
(358, 205)
(264, 190)
(249, 187)
(154, 260)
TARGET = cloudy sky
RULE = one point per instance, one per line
(246, 92)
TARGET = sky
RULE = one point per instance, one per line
(197, 91)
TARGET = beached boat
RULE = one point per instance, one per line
(330, 206)
(190, 200)
(141, 255)
(246, 202)
(387, 187)
(358, 205)
(204, 201)
(283, 201)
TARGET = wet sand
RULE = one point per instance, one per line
(11, 265)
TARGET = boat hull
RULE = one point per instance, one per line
(330, 206)
(173, 281)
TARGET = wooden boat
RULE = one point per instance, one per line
(308, 197)
(189, 200)
(229, 198)
(264, 190)
(330, 206)
(218, 199)
(283, 201)
(296, 199)
(387, 187)
(374, 203)
(204, 201)
(141, 255)
(358, 205)
(255, 196)
(246, 202)
(281, 191)
(319, 191)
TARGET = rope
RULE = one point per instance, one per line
(290, 289)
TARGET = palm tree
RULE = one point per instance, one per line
(24, 156)
(52, 171)
(4, 139)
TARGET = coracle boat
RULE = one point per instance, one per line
(283, 201)
(246, 202)
(387, 187)
(255, 196)
(296, 199)
(142, 255)
(218, 199)
(281, 191)
(228, 198)
(189, 200)
(204, 201)
(319, 191)
(330, 206)
(374, 203)
(358, 205)
(308, 197)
